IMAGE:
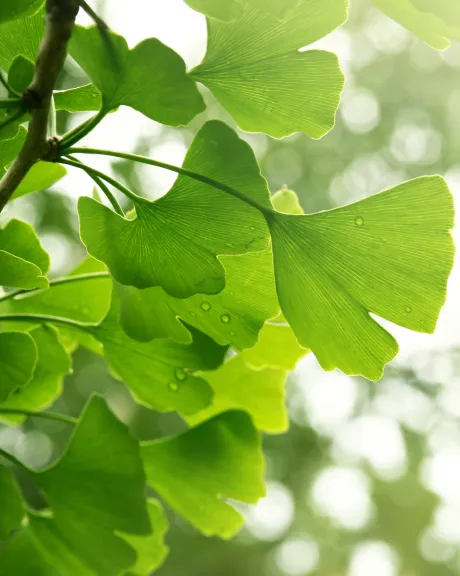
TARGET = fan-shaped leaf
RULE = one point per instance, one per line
(18, 356)
(11, 504)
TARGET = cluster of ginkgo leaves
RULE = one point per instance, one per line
(203, 300)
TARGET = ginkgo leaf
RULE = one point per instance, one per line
(151, 550)
(21, 37)
(151, 78)
(82, 99)
(10, 148)
(41, 176)
(195, 472)
(23, 261)
(277, 347)
(20, 556)
(96, 490)
(160, 374)
(174, 241)
(227, 10)
(234, 316)
(264, 81)
(11, 504)
(12, 9)
(390, 255)
(287, 202)
(18, 356)
(259, 392)
(434, 21)
(53, 363)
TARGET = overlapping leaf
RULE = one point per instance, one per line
(264, 81)
(21, 37)
(18, 356)
(12, 9)
(81, 99)
(53, 363)
(196, 471)
(21, 557)
(95, 491)
(389, 255)
(11, 504)
(174, 242)
(160, 374)
(434, 21)
(151, 78)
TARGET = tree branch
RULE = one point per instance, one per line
(60, 19)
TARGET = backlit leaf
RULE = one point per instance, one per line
(12, 9)
(196, 471)
(11, 504)
(264, 82)
(390, 255)
(174, 241)
(18, 356)
(82, 99)
(151, 78)
(41, 176)
(21, 37)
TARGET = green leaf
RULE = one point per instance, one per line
(151, 78)
(161, 373)
(287, 202)
(81, 99)
(390, 255)
(11, 504)
(21, 557)
(174, 241)
(18, 356)
(20, 74)
(23, 261)
(196, 471)
(10, 148)
(151, 550)
(21, 37)
(227, 10)
(434, 21)
(12, 9)
(234, 316)
(277, 348)
(41, 176)
(259, 392)
(46, 385)
(254, 68)
(97, 489)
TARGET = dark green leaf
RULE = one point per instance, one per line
(11, 505)
(254, 68)
(174, 242)
(151, 78)
(20, 557)
(12, 9)
(20, 74)
(195, 472)
(18, 356)
(390, 254)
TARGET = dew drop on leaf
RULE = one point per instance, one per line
(206, 306)
(408, 309)
(359, 221)
(180, 374)
(173, 386)
(225, 318)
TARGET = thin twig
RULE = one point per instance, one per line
(60, 19)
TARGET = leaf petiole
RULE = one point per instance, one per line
(57, 417)
(45, 319)
(75, 135)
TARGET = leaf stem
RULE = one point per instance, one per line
(126, 191)
(44, 415)
(75, 135)
(58, 282)
(10, 102)
(12, 459)
(12, 118)
(183, 171)
(45, 319)
(111, 198)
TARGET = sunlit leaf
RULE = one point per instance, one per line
(18, 356)
(195, 472)
(95, 491)
(41, 176)
(390, 255)
(53, 363)
(259, 392)
(434, 21)
(227, 10)
(10, 148)
(265, 83)
(151, 78)
(174, 242)
(151, 550)
(23, 261)
(11, 504)
(21, 37)
(160, 373)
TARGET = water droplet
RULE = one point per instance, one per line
(225, 318)
(408, 309)
(180, 374)
(206, 306)
(173, 386)
(359, 221)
